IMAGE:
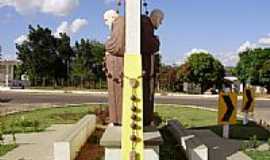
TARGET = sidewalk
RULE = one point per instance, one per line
(35, 146)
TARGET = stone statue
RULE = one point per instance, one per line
(149, 46)
(115, 48)
(114, 60)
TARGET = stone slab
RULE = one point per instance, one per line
(112, 137)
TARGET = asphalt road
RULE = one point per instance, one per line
(67, 98)
(18, 101)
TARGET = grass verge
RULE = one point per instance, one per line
(6, 148)
(258, 155)
(40, 119)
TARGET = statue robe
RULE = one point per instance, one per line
(115, 47)
(149, 46)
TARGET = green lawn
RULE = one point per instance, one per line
(40, 119)
(6, 148)
(187, 116)
(259, 155)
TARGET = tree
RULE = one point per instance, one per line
(253, 67)
(204, 70)
(39, 56)
(83, 62)
(98, 51)
(65, 53)
(168, 79)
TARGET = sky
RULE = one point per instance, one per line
(220, 27)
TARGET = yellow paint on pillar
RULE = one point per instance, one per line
(132, 69)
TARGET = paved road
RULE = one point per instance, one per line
(67, 98)
(18, 101)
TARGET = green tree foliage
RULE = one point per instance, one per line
(40, 57)
(65, 53)
(98, 51)
(254, 67)
(168, 79)
(50, 60)
(202, 69)
(87, 64)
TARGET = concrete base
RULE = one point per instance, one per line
(151, 153)
(111, 140)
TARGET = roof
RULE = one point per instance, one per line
(9, 62)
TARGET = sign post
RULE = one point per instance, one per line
(248, 103)
(132, 145)
(227, 111)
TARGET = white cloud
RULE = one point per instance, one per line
(186, 55)
(21, 39)
(265, 41)
(55, 7)
(59, 7)
(77, 24)
(247, 45)
(196, 50)
(72, 28)
(228, 59)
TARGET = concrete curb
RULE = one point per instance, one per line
(69, 147)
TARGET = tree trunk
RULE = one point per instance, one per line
(43, 81)
(268, 89)
(81, 82)
(202, 88)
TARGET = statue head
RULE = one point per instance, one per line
(156, 17)
(109, 17)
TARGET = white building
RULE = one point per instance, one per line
(7, 71)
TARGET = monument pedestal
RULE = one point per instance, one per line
(111, 140)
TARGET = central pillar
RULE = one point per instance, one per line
(132, 143)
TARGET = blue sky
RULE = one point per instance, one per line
(221, 27)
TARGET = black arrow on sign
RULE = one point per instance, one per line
(230, 108)
(250, 100)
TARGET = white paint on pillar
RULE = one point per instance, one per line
(133, 26)
(7, 73)
(12, 72)
(245, 118)
(226, 131)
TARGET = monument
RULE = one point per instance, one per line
(136, 41)
(115, 48)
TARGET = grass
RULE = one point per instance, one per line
(6, 148)
(187, 116)
(258, 155)
(40, 119)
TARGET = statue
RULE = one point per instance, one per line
(114, 60)
(149, 46)
(115, 48)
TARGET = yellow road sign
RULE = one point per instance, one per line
(248, 104)
(132, 117)
(227, 108)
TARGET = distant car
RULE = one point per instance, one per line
(17, 84)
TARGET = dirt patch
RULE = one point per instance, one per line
(92, 150)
